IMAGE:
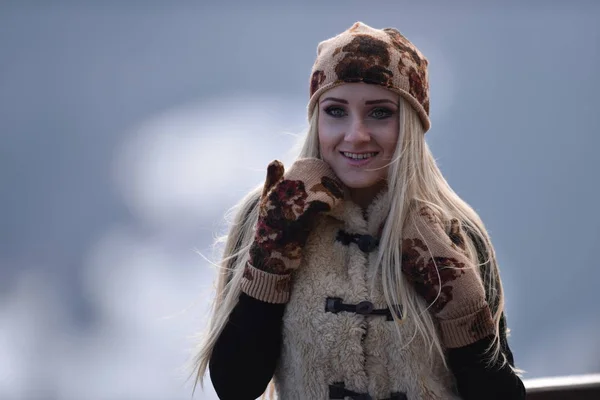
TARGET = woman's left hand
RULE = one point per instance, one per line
(437, 265)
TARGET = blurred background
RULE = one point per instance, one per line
(128, 128)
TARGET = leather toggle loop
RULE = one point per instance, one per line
(338, 391)
(333, 305)
(336, 305)
(366, 243)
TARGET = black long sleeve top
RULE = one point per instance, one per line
(245, 355)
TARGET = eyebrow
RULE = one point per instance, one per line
(334, 99)
(380, 101)
(368, 102)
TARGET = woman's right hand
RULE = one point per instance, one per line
(289, 207)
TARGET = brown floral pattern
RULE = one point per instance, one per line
(456, 235)
(248, 273)
(407, 50)
(435, 261)
(318, 77)
(433, 273)
(431, 276)
(413, 65)
(330, 187)
(418, 87)
(366, 60)
(287, 215)
(429, 215)
(377, 56)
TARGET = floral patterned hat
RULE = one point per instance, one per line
(377, 56)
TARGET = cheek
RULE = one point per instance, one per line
(389, 139)
(327, 137)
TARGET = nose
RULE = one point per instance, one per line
(357, 132)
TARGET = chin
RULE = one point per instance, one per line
(359, 183)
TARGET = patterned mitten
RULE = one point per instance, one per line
(288, 206)
(436, 263)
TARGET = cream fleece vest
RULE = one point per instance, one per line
(364, 352)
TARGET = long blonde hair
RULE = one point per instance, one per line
(413, 175)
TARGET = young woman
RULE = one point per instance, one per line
(359, 273)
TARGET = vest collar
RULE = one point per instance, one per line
(368, 221)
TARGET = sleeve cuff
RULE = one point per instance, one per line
(469, 329)
(264, 286)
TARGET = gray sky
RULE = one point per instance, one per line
(128, 128)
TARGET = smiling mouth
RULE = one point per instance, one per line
(358, 156)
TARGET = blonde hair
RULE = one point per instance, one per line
(413, 176)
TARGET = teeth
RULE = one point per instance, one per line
(359, 156)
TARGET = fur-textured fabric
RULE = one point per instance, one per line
(362, 351)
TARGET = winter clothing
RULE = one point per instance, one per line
(247, 352)
(377, 56)
(312, 313)
(288, 209)
(336, 335)
(367, 353)
(437, 264)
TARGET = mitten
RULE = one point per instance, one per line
(437, 265)
(288, 208)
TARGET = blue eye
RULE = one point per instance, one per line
(381, 113)
(335, 112)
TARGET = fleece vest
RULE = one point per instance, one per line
(339, 340)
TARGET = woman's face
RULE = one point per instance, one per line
(358, 131)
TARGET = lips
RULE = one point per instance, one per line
(358, 160)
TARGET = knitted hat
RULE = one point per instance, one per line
(378, 56)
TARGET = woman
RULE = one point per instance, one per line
(359, 273)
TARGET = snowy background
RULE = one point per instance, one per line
(128, 128)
